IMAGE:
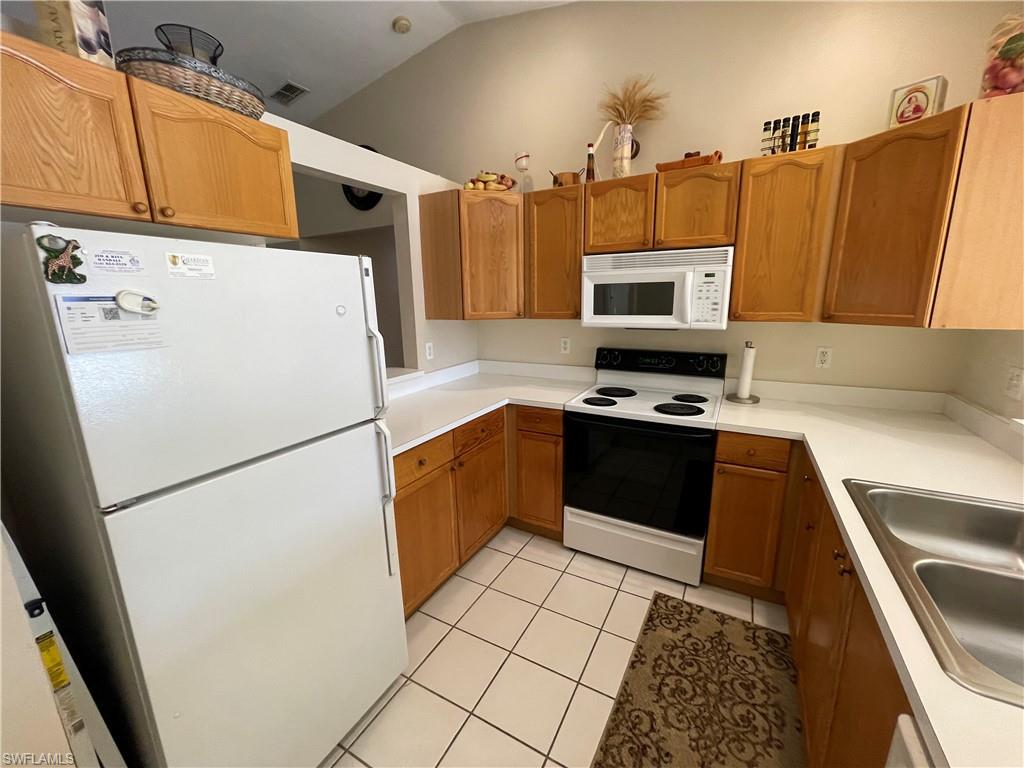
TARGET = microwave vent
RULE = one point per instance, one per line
(704, 257)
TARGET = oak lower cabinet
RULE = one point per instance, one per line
(539, 469)
(554, 252)
(472, 249)
(786, 216)
(696, 207)
(743, 530)
(894, 205)
(869, 694)
(482, 495)
(68, 134)
(427, 531)
(211, 168)
(619, 214)
(812, 505)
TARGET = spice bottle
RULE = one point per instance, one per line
(784, 136)
(766, 138)
(590, 162)
(812, 130)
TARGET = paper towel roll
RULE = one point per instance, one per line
(746, 370)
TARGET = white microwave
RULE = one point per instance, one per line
(658, 289)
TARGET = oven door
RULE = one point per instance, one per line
(650, 474)
(637, 299)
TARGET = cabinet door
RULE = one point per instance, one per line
(743, 531)
(697, 206)
(869, 695)
(68, 134)
(981, 284)
(787, 209)
(894, 204)
(211, 168)
(554, 249)
(539, 479)
(812, 506)
(481, 491)
(824, 621)
(491, 239)
(619, 214)
(426, 529)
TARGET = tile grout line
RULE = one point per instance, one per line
(561, 722)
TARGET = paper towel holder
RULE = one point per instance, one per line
(732, 397)
(746, 371)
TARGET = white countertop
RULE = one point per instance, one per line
(910, 448)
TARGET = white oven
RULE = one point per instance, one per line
(658, 289)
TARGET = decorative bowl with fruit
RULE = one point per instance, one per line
(1004, 68)
(490, 182)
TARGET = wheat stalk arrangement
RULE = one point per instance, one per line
(635, 101)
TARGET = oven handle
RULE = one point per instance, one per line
(666, 429)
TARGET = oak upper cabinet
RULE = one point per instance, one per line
(894, 204)
(481, 491)
(823, 625)
(426, 530)
(68, 134)
(472, 246)
(539, 467)
(619, 214)
(696, 207)
(786, 215)
(554, 250)
(211, 168)
(743, 530)
(982, 280)
(869, 694)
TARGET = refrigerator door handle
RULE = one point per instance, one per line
(388, 499)
(372, 331)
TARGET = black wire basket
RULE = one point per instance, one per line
(190, 41)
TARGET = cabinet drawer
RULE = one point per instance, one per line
(546, 420)
(753, 451)
(479, 431)
(423, 459)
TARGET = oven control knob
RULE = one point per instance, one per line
(700, 363)
(616, 358)
(602, 357)
(715, 364)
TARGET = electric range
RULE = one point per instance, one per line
(639, 456)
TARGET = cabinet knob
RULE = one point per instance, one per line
(647, 241)
(845, 570)
(807, 478)
(660, 241)
(721, 471)
(838, 555)
(483, 430)
(421, 462)
(735, 315)
(140, 207)
(826, 315)
(459, 464)
(809, 526)
(751, 451)
(167, 211)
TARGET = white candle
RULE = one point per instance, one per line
(746, 370)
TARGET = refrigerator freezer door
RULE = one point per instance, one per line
(239, 351)
(261, 606)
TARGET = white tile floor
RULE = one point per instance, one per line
(516, 660)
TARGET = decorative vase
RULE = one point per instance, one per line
(622, 150)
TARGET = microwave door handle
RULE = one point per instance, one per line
(687, 297)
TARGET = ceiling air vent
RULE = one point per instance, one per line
(288, 93)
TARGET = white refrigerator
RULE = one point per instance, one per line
(202, 484)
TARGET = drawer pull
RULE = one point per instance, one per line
(167, 211)
(721, 471)
(807, 478)
(140, 207)
(809, 526)
(460, 464)
(837, 555)
(751, 451)
(421, 462)
(845, 570)
(483, 430)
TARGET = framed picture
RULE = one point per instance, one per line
(917, 100)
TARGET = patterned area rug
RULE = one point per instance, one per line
(704, 689)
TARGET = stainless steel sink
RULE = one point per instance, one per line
(960, 564)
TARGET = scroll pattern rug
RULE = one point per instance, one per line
(704, 689)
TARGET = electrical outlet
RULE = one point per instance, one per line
(1015, 383)
(429, 348)
(564, 345)
(823, 357)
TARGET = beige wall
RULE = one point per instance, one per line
(901, 358)
(532, 81)
(985, 367)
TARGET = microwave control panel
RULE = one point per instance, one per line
(710, 298)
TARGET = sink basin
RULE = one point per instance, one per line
(960, 564)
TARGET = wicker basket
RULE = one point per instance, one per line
(193, 78)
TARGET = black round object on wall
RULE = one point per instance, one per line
(359, 198)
